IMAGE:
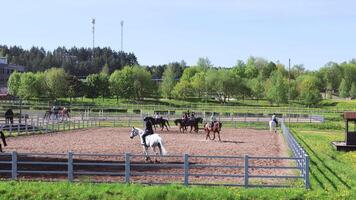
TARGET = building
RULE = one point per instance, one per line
(5, 72)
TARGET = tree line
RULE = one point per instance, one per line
(255, 78)
(75, 61)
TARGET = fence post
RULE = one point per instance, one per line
(14, 165)
(186, 169)
(306, 175)
(246, 171)
(70, 166)
(127, 168)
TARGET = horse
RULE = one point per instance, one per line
(272, 126)
(160, 121)
(64, 112)
(3, 140)
(216, 128)
(152, 141)
(190, 122)
(9, 116)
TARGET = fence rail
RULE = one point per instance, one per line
(70, 169)
(89, 119)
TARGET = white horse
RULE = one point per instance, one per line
(272, 126)
(152, 141)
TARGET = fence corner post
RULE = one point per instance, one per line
(306, 175)
(186, 169)
(70, 166)
(127, 167)
(14, 165)
(246, 171)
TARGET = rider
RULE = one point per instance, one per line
(157, 115)
(192, 116)
(148, 130)
(212, 119)
(274, 118)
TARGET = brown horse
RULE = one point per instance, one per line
(3, 140)
(216, 128)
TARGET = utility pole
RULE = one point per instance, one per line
(289, 91)
(122, 35)
(93, 30)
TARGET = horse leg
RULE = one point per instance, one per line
(0, 148)
(146, 153)
(207, 134)
(3, 138)
(219, 136)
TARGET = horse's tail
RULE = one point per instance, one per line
(163, 150)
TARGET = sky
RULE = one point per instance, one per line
(309, 32)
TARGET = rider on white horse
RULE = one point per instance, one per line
(274, 118)
(148, 131)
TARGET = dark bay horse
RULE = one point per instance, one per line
(183, 124)
(3, 140)
(159, 121)
(216, 128)
(9, 116)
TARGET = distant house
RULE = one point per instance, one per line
(5, 72)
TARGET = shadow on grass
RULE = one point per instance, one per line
(324, 165)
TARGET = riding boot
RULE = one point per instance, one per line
(144, 142)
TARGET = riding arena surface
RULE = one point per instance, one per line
(235, 142)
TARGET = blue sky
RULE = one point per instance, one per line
(310, 32)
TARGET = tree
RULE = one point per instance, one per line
(97, 85)
(183, 90)
(168, 82)
(276, 88)
(105, 70)
(121, 83)
(251, 70)
(353, 90)
(344, 89)
(143, 85)
(76, 87)
(309, 92)
(204, 64)
(199, 84)
(27, 87)
(14, 83)
(257, 88)
(56, 80)
(131, 82)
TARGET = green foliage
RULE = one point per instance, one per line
(56, 80)
(344, 89)
(13, 83)
(309, 93)
(199, 83)
(75, 61)
(183, 90)
(257, 88)
(353, 90)
(131, 83)
(276, 89)
(105, 70)
(27, 88)
(168, 82)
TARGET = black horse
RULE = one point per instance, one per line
(159, 121)
(183, 124)
(3, 140)
(9, 116)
